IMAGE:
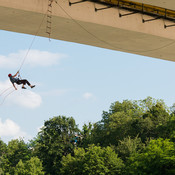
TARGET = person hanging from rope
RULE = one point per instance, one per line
(18, 81)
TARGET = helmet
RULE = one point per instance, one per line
(9, 75)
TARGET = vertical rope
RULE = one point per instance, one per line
(32, 43)
(24, 58)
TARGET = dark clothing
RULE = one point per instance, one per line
(14, 80)
(22, 82)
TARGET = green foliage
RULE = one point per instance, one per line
(167, 130)
(142, 118)
(158, 158)
(92, 161)
(86, 135)
(133, 138)
(3, 148)
(73, 164)
(20, 168)
(16, 150)
(128, 147)
(117, 123)
(1, 172)
(157, 114)
(30, 167)
(54, 141)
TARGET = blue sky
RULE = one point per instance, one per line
(73, 80)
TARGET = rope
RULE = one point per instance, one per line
(5, 90)
(114, 47)
(19, 76)
(23, 60)
(32, 42)
(6, 96)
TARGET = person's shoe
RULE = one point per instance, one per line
(33, 86)
(23, 87)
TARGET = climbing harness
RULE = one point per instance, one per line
(22, 63)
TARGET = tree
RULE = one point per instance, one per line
(3, 148)
(1, 172)
(158, 158)
(20, 169)
(54, 141)
(129, 146)
(93, 160)
(115, 124)
(16, 150)
(73, 164)
(167, 130)
(30, 167)
(143, 118)
(86, 135)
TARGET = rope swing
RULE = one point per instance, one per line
(22, 63)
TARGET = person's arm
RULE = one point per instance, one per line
(14, 86)
(15, 74)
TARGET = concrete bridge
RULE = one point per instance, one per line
(80, 23)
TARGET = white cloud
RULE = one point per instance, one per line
(33, 58)
(88, 95)
(8, 61)
(43, 58)
(25, 98)
(10, 130)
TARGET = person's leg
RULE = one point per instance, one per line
(25, 81)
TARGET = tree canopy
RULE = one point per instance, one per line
(53, 142)
(132, 138)
(93, 160)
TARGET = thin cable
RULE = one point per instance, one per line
(32, 41)
(114, 47)
(23, 60)
(5, 91)
(7, 96)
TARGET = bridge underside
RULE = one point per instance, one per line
(81, 24)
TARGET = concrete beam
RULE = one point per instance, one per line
(168, 4)
(81, 24)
